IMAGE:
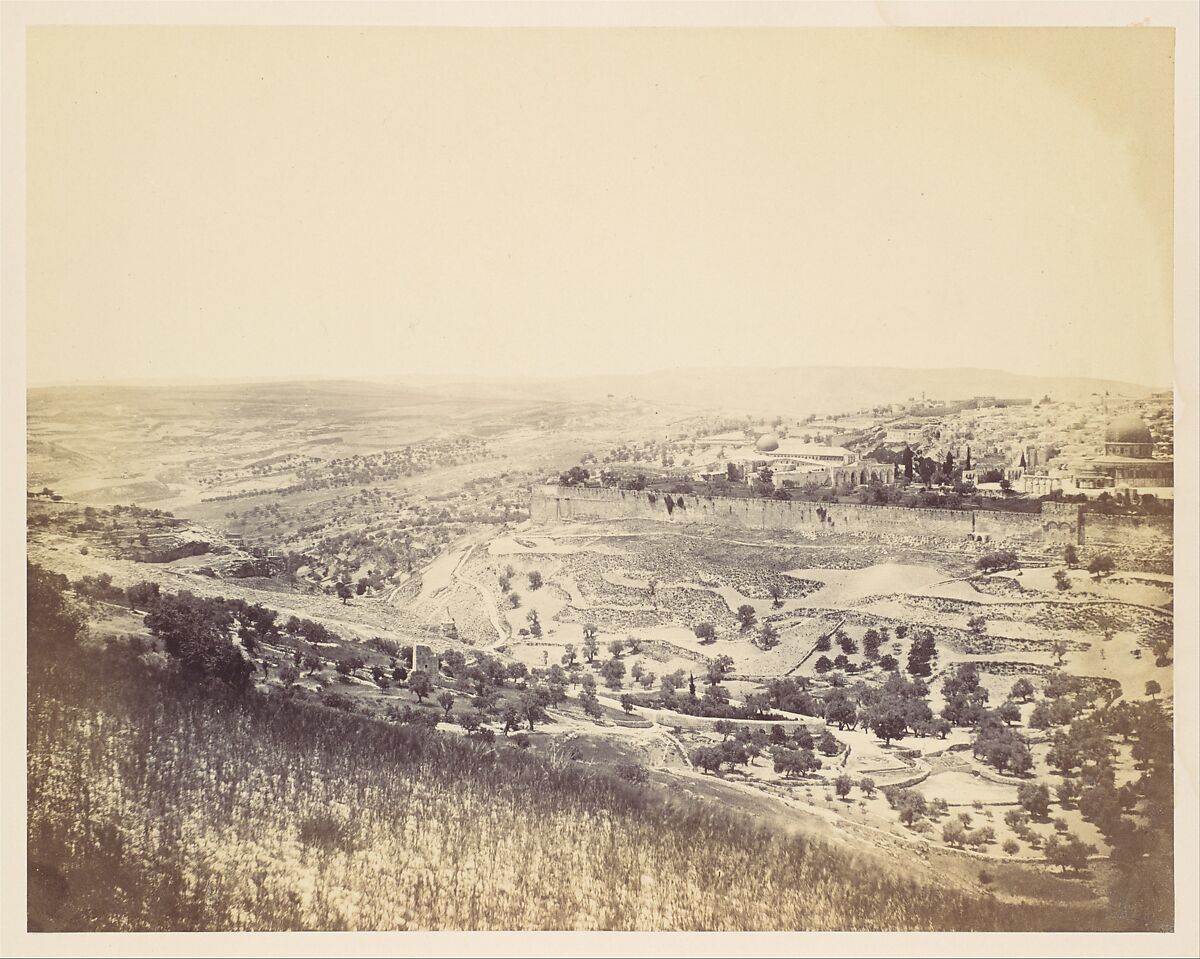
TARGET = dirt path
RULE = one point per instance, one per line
(812, 649)
(358, 620)
(489, 608)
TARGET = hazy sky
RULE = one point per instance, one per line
(374, 202)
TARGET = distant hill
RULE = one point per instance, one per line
(731, 390)
(815, 389)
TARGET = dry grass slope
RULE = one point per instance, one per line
(156, 805)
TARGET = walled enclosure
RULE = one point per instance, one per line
(1056, 525)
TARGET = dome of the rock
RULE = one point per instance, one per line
(1128, 429)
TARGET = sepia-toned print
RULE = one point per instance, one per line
(642, 479)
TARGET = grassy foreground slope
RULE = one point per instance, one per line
(158, 804)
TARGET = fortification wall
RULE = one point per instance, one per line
(1101, 530)
(550, 504)
(1018, 529)
(1135, 542)
(1057, 524)
(1061, 523)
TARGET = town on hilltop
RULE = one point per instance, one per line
(983, 447)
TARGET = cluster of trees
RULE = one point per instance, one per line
(714, 702)
(493, 683)
(575, 476)
(219, 638)
(1065, 698)
(957, 832)
(54, 624)
(791, 756)
(309, 631)
(767, 636)
(1000, 746)
(792, 695)
(1084, 756)
(1135, 818)
(731, 753)
(872, 640)
(1066, 851)
(917, 813)
(802, 740)
(588, 698)
(612, 670)
(795, 762)
(1053, 712)
(198, 632)
(921, 653)
(99, 587)
(505, 578)
(1101, 565)
(139, 596)
(892, 711)
(1030, 800)
(912, 807)
(966, 699)
(937, 495)
(996, 561)
(996, 742)
(897, 709)
(1129, 503)
(844, 640)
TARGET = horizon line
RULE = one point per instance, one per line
(450, 379)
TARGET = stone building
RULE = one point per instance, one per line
(424, 660)
(1041, 484)
(796, 463)
(773, 451)
(1128, 461)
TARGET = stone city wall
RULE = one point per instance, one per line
(1056, 525)
(1137, 542)
(566, 504)
(1101, 530)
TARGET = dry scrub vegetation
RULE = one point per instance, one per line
(158, 803)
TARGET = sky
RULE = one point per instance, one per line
(381, 202)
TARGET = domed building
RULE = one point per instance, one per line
(1128, 435)
(796, 463)
(1128, 461)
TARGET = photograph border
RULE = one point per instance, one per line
(1184, 17)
